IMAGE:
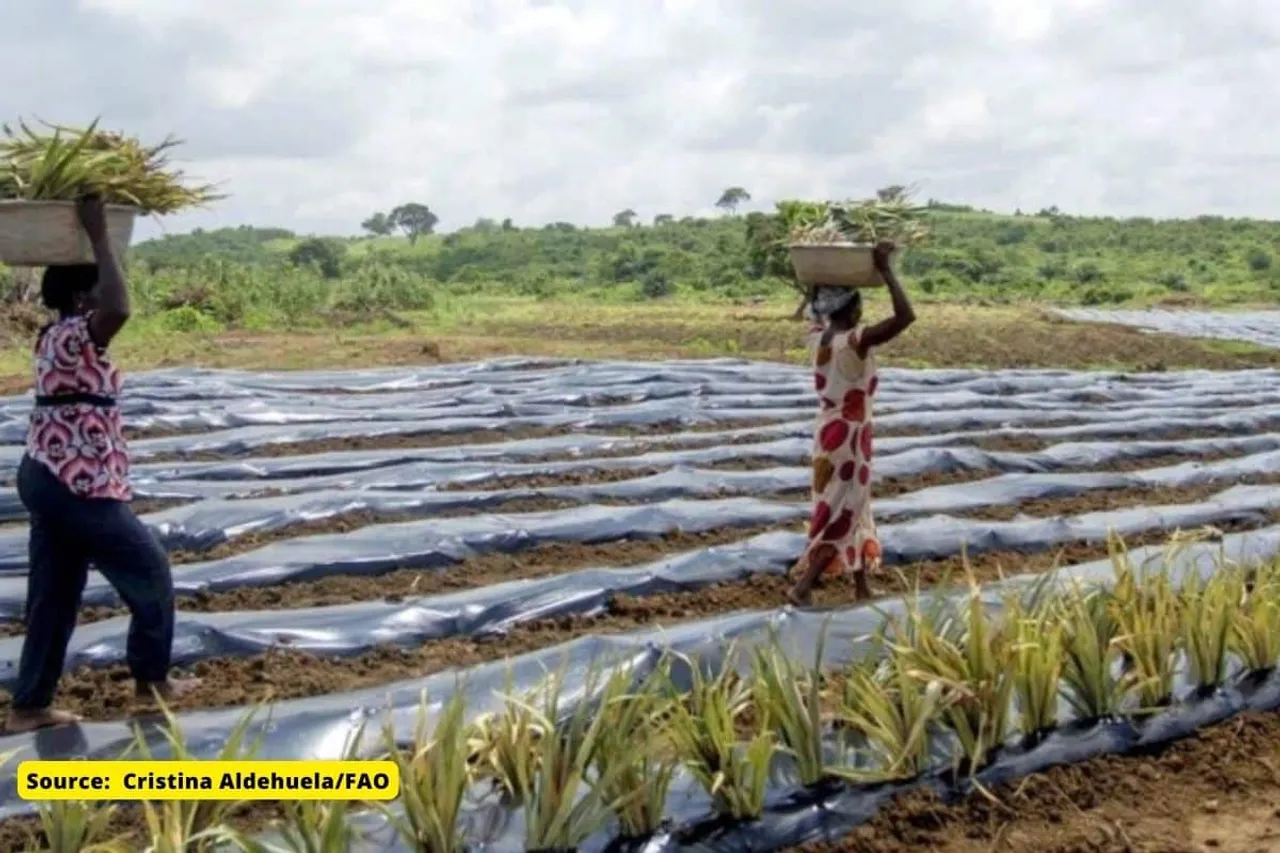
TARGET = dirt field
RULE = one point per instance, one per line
(1108, 820)
(1217, 792)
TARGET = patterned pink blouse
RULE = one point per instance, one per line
(80, 442)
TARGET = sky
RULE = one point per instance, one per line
(313, 115)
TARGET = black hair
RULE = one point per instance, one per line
(62, 283)
(852, 312)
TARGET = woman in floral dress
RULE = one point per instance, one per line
(842, 531)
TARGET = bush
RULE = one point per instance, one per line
(323, 253)
(187, 319)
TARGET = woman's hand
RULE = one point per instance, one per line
(882, 253)
(93, 218)
(903, 315)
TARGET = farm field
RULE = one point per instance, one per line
(343, 539)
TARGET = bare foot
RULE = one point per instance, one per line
(29, 721)
(172, 688)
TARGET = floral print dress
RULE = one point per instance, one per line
(80, 441)
(842, 531)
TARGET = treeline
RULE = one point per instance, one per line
(971, 255)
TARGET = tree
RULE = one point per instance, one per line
(324, 253)
(508, 225)
(414, 220)
(893, 192)
(663, 219)
(625, 218)
(379, 225)
(731, 198)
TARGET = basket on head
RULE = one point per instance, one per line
(44, 233)
(835, 264)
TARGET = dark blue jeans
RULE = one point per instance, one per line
(67, 534)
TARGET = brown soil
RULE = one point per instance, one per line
(284, 673)
(886, 488)
(436, 439)
(1218, 790)
(569, 557)
(1101, 500)
(551, 481)
(469, 574)
(344, 523)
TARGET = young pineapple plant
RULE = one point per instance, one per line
(503, 746)
(791, 697)
(1091, 678)
(310, 826)
(893, 712)
(1038, 651)
(192, 826)
(1147, 612)
(1210, 611)
(434, 777)
(564, 802)
(77, 826)
(704, 734)
(1255, 631)
(973, 663)
(632, 762)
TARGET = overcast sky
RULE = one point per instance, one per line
(318, 112)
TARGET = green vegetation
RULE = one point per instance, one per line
(690, 287)
(972, 256)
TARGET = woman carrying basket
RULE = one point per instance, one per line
(74, 482)
(842, 531)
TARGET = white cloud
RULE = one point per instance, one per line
(315, 114)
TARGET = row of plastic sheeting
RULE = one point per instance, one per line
(246, 412)
(1258, 327)
(355, 628)
(412, 490)
(440, 543)
(326, 727)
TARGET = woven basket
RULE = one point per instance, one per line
(43, 233)
(835, 264)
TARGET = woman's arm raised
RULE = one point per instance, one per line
(903, 314)
(112, 309)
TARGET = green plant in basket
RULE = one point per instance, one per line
(61, 163)
(632, 762)
(892, 216)
(704, 735)
(434, 777)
